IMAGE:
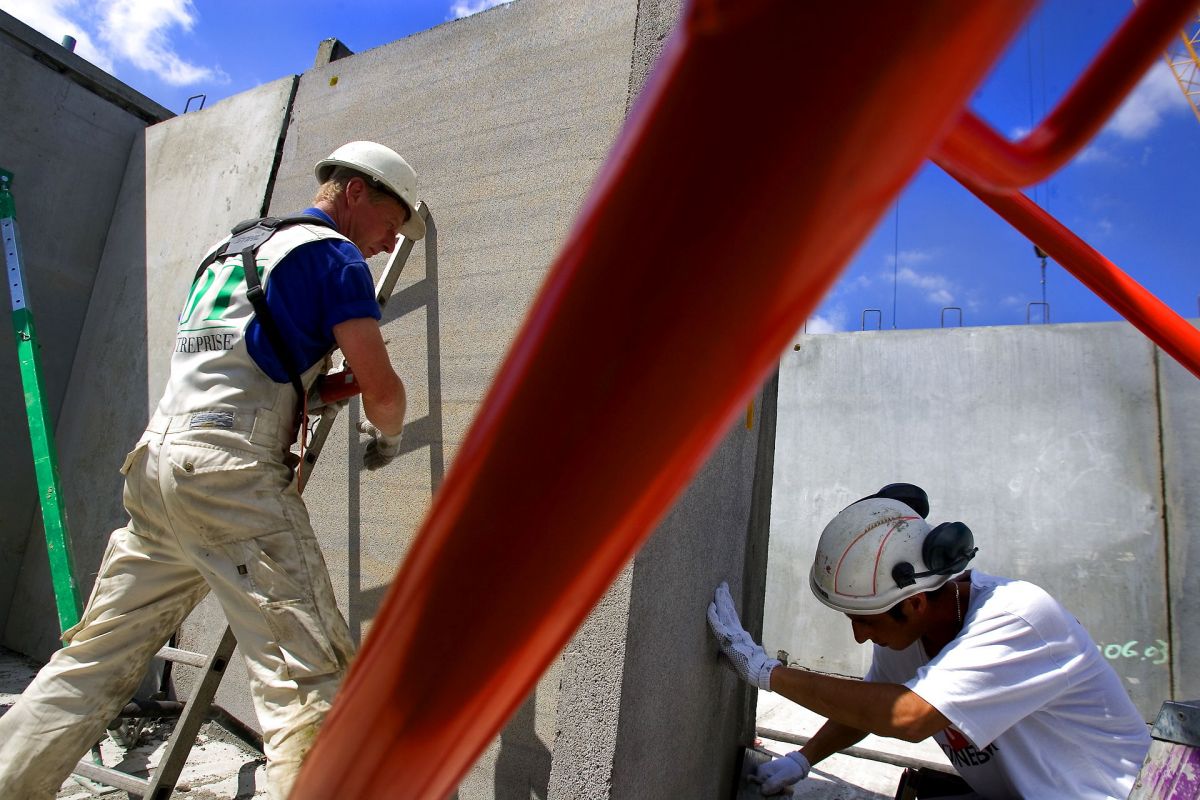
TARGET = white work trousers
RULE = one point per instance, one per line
(210, 510)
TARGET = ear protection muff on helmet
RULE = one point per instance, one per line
(947, 550)
(911, 495)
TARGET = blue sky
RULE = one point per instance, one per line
(1128, 194)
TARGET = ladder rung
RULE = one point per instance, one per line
(183, 657)
(112, 777)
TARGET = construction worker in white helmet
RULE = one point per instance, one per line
(1004, 679)
(209, 488)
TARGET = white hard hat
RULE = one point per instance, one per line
(879, 551)
(386, 169)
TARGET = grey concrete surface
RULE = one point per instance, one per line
(655, 21)
(1180, 402)
(630, 715)
(66, 134)
(506, 116)
(205, 172)
(1044, 439)
(716, 531)
(104, 411)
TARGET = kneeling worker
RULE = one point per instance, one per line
(1005, 679)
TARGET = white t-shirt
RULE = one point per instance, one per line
(1035, 710)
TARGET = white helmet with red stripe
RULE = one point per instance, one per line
(855, 569)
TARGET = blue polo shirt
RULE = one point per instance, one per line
(315, 286)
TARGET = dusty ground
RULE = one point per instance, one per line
(218, 768)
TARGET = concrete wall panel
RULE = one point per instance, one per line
(66, 134)
(104, 411)
(1043, 439)
(1180, 392)
(506, 116)
(684, 715)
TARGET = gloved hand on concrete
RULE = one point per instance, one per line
(781, 774)
(746, 656)
(381, 449)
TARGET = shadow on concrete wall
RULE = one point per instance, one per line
(523, 765)
(424, 432)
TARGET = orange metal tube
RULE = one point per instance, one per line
(753, 166)
(975, 150)
(1131, 300)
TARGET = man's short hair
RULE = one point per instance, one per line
(335, 186)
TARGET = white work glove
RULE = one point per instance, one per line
(381, 449)
(781, 774)
(746, 656)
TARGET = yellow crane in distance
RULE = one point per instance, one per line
(1185, 64)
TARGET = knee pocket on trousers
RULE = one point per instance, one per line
(300, 636)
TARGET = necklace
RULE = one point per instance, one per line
(957, 601)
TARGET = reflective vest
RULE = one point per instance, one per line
(211, 366)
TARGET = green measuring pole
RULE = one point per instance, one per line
(41, 431)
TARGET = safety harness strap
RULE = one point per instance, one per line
(258, 299)
(245, 238)
(252, 233)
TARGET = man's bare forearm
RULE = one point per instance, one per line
(386, 410)
(885, 709)
(833, 737)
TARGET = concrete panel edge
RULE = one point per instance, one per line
(81, 71)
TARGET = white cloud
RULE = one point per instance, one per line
(831, 321)
(56, 19)
(848, 285)
(1156, 95)
(109, 32)
(1095, 154)
(137, 31)
(465, 8)
(940, 297)
(937, 288)
(910, 257)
